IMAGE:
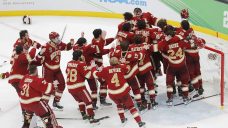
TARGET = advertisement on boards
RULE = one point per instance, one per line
(112, 6)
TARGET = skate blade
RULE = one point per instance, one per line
(188, 102)
(94, 125)
(155, 107)
(123, 124)
(170, 105)
(56, 109)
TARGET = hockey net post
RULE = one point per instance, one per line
(222, 73)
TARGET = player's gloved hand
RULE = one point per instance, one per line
(123, 60)
(184, 14)
(146, 47)
(113, 45)
(42, 51)
(93, 64)
(200, 42)
(72, 41)
(82, 34)
(100, 68)
(4, 75)
(103, 34)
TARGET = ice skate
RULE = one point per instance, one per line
(57, 106)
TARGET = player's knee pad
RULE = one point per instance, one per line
(47, 120)
(27, 117)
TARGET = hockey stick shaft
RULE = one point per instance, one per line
(199, 99)
(64, 31)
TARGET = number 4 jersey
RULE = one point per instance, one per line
(114, 77)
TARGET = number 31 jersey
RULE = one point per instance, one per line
(77, 72)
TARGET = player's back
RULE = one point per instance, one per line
(175, 51)
(77, 72)
(114, 76)
(31, 89)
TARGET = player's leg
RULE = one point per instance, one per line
(86, 98)
(183, 72)
(170, 76)
(150, 85)
(134, 84)
(27, 115)
(48, 75)
(128, 102)
(81, 105)
(103, 93)
(198, 72)
(93, 87)
(43, 110)
(192, 72)
(59, 91)
(142, 88)
(120, 109)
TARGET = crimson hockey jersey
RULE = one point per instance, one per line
(77, 72)
(20, 65)
(114, 76)
(52, 55)
(33, 88)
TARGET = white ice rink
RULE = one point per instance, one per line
(201, 114)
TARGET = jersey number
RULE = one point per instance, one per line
(115, 80)
(72, 75)
(173, 55)
(25, 90)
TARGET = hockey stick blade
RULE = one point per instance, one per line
(198, 99)
(75, 118)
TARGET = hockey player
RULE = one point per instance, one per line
(100, 41)
(25, 42)
(146, 16)
(118, 89)
(149, 35)
(145, 75)
(174, 48)
(50, 55)
(77, 71)
(127, 19)
(20, 62)
(88, 50)
(193, 58)
(131, 59)
(32, 89)
(125, 34)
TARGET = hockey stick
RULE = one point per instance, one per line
(75, 118)
(64, 31)
(198, 99)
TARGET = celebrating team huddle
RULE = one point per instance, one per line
(141, 44)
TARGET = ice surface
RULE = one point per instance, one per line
(202, 114)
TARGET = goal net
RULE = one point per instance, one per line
(212, 71)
